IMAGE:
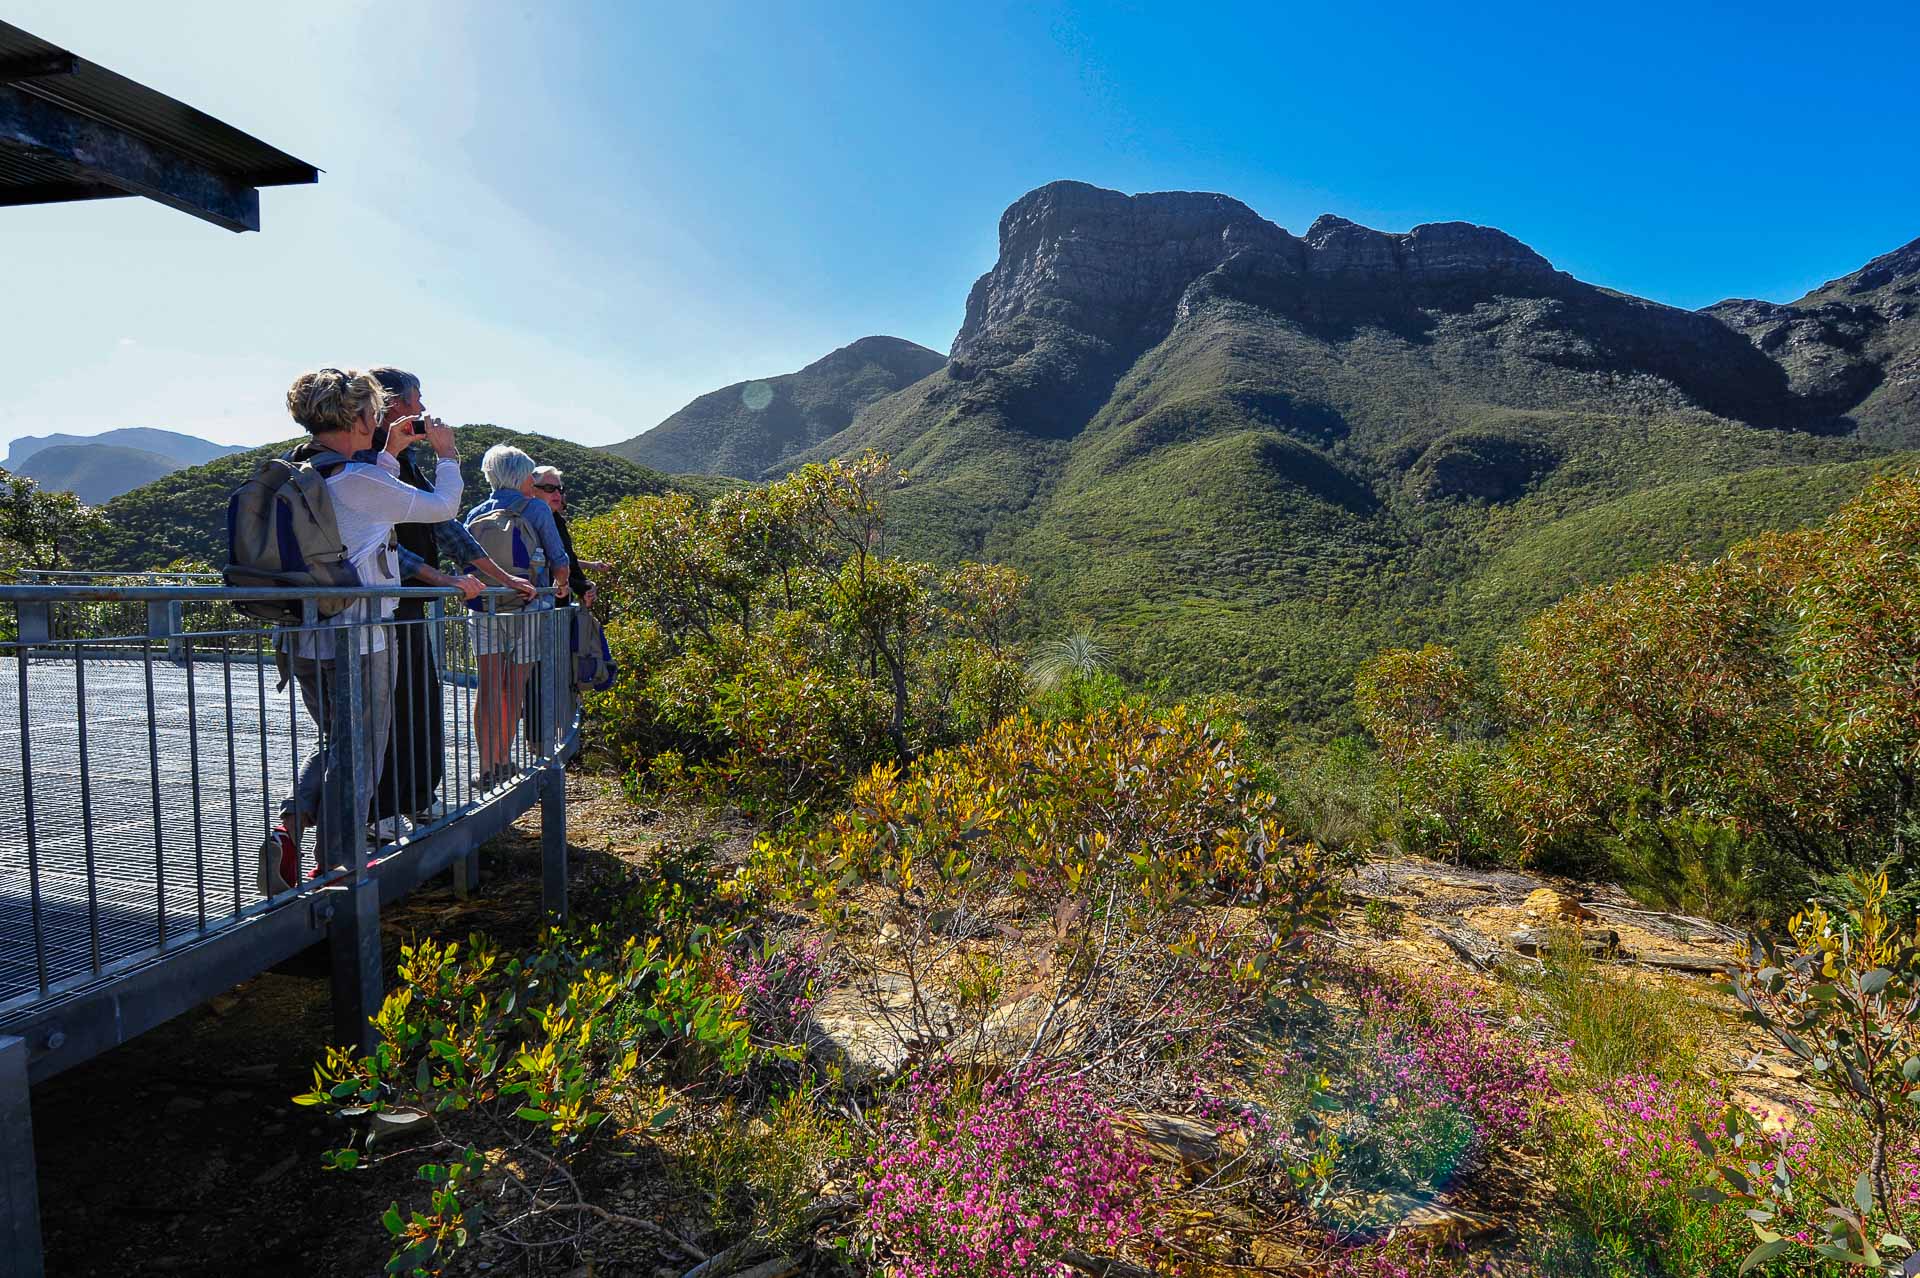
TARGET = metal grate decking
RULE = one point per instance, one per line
(170, 820)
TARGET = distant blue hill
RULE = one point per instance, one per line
(182, 450)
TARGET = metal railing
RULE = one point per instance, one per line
(152, 738)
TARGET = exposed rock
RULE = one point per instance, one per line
(1471, 946)
(1552, 903)
(1699, 964)
(1174, 1138)
(1602, 942)
(1008, 1030)
(1116, 266)
(1437, 1222)
(872, 1029)
(1407, 1215)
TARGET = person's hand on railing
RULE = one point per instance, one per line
(522, 587)
(470, 586)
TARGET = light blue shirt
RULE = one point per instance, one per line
(539, 518)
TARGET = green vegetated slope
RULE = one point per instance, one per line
(1251, 459)
(95, 473)
(183, 515)
(750, 427)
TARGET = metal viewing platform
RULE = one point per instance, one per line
(147, 742)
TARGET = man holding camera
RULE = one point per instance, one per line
(416, 751)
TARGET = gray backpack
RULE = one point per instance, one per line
(281, 531)
(509, 541)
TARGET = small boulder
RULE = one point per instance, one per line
(1552, 903)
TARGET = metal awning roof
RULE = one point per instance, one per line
(71, 130)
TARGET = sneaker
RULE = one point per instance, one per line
(391, 829)
(279, 862)
(431, 813)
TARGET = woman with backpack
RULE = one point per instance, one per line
(340, 411)
(513, 527)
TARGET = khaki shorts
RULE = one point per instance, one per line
(516, 634)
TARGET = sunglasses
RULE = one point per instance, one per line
(551, 488)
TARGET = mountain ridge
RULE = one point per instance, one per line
(95, 473)
(747, 428)
(184, 450)
(1253, 456)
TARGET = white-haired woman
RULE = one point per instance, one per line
(512, 524)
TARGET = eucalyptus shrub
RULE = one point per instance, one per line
(1132, 851)
(524, 1058)
(1844, 997)
(772, 646)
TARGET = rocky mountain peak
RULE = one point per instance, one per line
(1099, 259)
(1434, 252)
(1903, 264)
(1116, 266)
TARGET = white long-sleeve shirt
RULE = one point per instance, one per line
(368, 500)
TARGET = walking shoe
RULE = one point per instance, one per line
(279, 862)
(391, 829)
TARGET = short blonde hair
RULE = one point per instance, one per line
(331, 399)
(505, 466)
(548, 472)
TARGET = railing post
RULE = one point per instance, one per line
(553, 778)
(466, 870)
(555, 672)
(36, 623)
(553, 841)
(20, 1255)
(164, 624)
(353, 932)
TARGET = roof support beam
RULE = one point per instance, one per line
(116, 158)
(36, 65)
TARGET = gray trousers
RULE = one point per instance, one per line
(329, 767)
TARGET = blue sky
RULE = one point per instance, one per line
(574, 217)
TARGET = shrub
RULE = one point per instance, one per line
(1424, 709)
(1499, 1079)
(1725, 732)
(1004, 1181)
(1624, 1165)
(780, 983)
(1332, 795)
(1083, 855)
(1410, 1088)
(771, 648)
(764, 1173)
(1846, 1000)
(523, 1058)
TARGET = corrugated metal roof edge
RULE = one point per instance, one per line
(95, 91)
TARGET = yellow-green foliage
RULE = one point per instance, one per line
(1126, 818)
(1716, 728)
(769, 642)
(1164, 798)
(521, 1056)
(1421, 708)
(764, 1172)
